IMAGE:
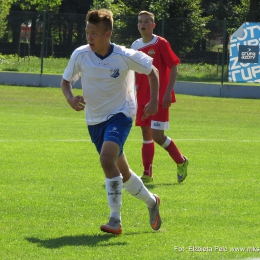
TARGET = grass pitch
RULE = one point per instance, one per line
(187, 72)
(52, 197)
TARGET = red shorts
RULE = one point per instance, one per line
(159, 121)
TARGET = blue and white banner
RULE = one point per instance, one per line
(244, 63)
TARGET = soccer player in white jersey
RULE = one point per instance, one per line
(107, 79)
(166, 61)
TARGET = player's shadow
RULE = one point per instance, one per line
(80, 240)
(152, 186)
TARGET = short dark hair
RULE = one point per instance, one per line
(101, 15)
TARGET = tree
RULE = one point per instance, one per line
(39, 5)
(219, 9)
(10, 7)
(238, 11)
(182, 16)
(253, 14)
(75, 23)
(187, 32)
(5, 6)
(185, 23)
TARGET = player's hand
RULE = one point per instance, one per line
(150, 109)
(167, 100)
(77, 103)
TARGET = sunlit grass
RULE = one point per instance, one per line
(52, 196)
(51, 65)
(201, 72)
(32, 64)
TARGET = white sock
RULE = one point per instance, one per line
(114, 195)
(167, 142)
(136, 188)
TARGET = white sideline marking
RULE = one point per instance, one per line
(217, 140)
(130, 140)
(46, 140)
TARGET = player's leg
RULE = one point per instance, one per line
(107, 138)
(108, 159)
(114, 185)
(181, 161)
(147, 154)
(147, 145)
(167, 143)
(159, 124)
(133, 184)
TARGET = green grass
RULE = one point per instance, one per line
(200, 72)
(52, 196)
(32, 64)
(51, 65)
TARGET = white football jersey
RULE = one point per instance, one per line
(108, 83)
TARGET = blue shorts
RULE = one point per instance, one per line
(115, 129)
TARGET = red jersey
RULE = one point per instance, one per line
(163, 59)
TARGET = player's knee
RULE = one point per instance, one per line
(159, 139)
(147, 133)
(106, 161)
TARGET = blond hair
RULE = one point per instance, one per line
(101, 16)
(148, 13)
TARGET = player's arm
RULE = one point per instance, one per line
(167, 99)
(151, 107)
(76, 102)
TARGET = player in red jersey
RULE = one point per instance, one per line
(166, 61)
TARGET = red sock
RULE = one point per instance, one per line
(175, 153)
(147, 156)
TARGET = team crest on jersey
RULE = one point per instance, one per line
(114, 73)
(151, 52)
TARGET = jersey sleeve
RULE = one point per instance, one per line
(168, 54)
(140, 62)
(134, 45)
(72, 71)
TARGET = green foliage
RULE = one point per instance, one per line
(240, 12)
(117, 7)
(191, 23)
(39, 5)
(187, 25)
(5, 6)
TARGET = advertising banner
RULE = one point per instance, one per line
(244, 63)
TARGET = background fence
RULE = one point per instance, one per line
(48, 36)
